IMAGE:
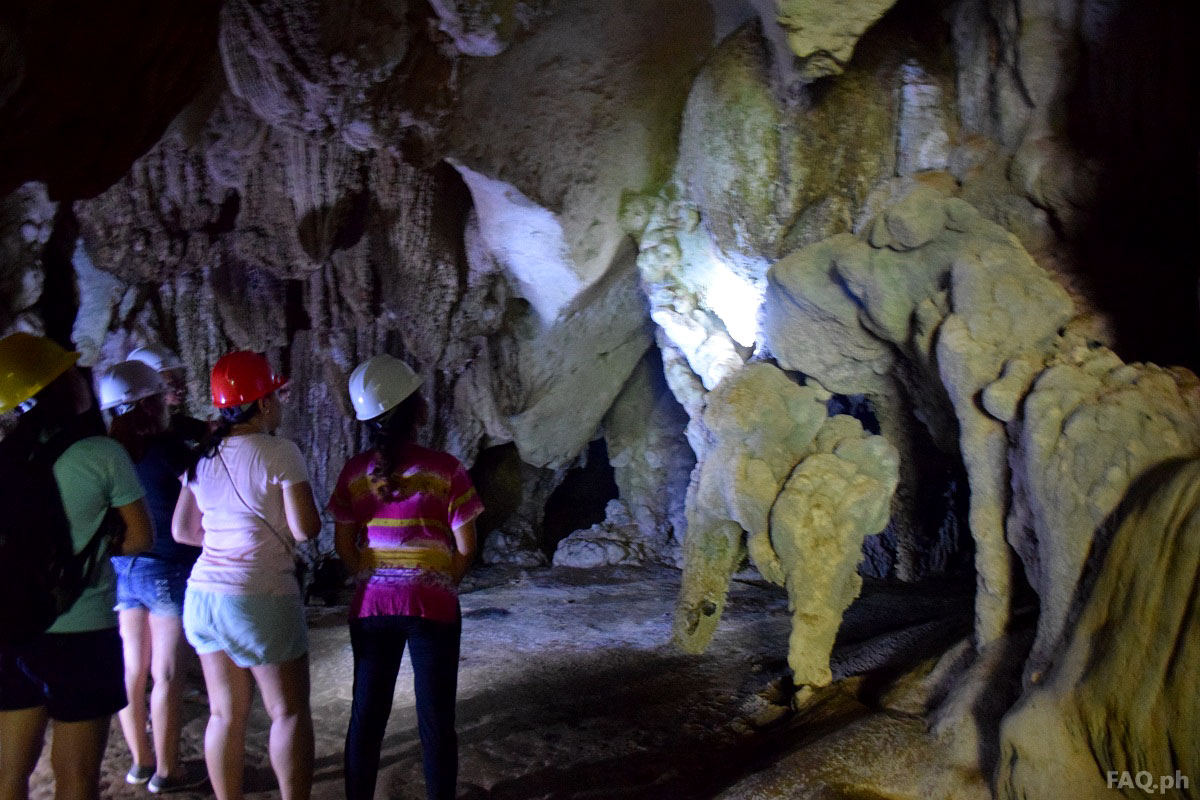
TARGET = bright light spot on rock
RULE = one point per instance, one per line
(733, 297)
(528, 240)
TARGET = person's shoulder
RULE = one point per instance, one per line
(266, 443)
(95, 455)
(359, 464)
(434, 459)
(96, 447)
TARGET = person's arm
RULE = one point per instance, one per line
(139, 531)
(301, 509)
(186, 525)
(464, 550)
(346, 536)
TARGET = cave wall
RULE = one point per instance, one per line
(699, 233)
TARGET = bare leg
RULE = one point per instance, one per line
(229, 692)
(166, 698)
(76, 750)
(135, 639)
(21, 735)
(284, 690)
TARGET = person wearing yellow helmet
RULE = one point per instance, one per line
(72, 673)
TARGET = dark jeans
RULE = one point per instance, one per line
(378, 644)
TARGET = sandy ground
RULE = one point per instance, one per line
(569, 688)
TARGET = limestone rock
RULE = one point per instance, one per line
(615, 541)
(528, 241)
(1000, 306)
(1119, 695)
(99, 294)
(26, 221)
(611, 77)
(485, 27)
(813, 325)
(766, 177)
(576, 368)
(683, 279)
(833, 500)
(651, 460)
(759, 425)
(516, 535)
(877, 756)
(923, 127)
(823, 35)
(1090, 426)
(323, 68)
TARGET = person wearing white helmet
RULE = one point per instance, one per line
(168, 365)
(405, 524)
(151, 585)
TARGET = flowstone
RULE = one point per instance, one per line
(775, 482)
(956, 298)
(836, 497)
(1120, 694)
(1090, 425)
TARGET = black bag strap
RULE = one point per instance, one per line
(46, 454)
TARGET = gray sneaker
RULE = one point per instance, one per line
(192, 777)
(138, 774)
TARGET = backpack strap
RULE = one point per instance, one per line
(111, 527)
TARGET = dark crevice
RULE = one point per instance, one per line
(581, 498)
(59, 303)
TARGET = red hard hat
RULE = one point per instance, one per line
(242, 377)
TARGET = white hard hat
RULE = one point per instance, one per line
(380, 384)
(129, 382)
(157, 357)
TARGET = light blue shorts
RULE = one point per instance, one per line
(253, 629)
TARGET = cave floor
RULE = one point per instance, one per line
(569, 688)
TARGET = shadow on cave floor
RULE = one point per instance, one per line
(569, 688)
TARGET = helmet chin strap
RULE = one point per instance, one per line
(381, 422)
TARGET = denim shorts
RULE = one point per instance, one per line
(151, 583)
(253, 629)
(76, 676)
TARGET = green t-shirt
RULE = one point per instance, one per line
(93, 475)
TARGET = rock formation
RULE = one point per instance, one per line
(841, 289)
(1117, 697)
(798, 491)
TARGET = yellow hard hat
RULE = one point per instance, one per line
(29, 364)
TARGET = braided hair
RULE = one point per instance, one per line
(386, 434)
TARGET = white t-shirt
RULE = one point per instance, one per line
(247, 543)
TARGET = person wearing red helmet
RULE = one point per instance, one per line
(246, 503)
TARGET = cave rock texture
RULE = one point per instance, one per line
(819, 292)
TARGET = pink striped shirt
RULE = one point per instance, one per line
(409, 539)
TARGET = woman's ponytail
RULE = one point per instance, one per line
(229, 418)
